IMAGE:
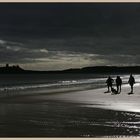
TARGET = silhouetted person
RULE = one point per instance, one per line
(109, 82)
(131, 82)
(118, 84)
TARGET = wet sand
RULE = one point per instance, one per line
(90, 113)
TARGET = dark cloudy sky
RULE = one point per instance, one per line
(60, 36)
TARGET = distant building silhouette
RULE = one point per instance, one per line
(7, 65)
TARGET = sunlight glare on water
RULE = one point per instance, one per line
(130, 107)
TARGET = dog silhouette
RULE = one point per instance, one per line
(113, 90)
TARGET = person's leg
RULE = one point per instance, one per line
(108, 87)
(131, 88)
(111, 86)
(117, 88)
(120, 88)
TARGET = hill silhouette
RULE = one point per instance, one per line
(94, 70)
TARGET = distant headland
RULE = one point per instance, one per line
(16, 69)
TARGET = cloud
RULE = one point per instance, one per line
(103, 45)
(2, 42)
(55, 36)
(52, 53)
(15, 52)
(64, 60)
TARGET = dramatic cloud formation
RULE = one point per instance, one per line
(60, 36)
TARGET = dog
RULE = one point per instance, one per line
(113, 90)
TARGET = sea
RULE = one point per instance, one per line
(26, 84)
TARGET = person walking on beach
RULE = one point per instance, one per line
(118, 84)
(109, 82)
(131, 82)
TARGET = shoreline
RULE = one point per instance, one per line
(98, 98)
(95, 98)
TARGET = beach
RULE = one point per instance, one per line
(86, 113)
(57, 61)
